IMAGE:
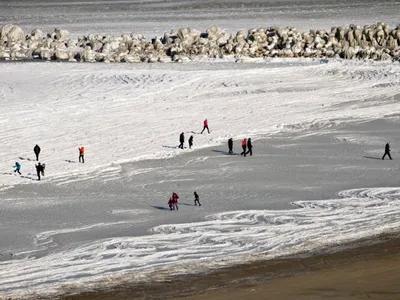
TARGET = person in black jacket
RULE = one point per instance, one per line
(190, 142)
(181, 140)
(40, 170)
(387, 151)
(36, 149)
(230, 146)
(249, 147)
(196, 199)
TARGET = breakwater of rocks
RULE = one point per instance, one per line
(376, 42)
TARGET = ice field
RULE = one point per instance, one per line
(316, 179)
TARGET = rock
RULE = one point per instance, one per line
(15, 34)
(61, 34)
(62, 55)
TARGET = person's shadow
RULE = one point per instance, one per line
(225, 152)
(29, 159)
(160, 207)
(371, 157)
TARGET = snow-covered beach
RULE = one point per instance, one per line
(315, 181)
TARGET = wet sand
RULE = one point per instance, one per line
(368, 269)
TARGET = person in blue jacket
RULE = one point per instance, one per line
(17, 167)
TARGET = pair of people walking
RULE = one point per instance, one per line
(173, 200)
(247, 145)
(182, 141)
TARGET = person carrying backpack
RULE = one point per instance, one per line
(40, 170)
(17, 167)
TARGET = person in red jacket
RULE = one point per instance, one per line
(171, 203)
(82, 154)
(205, 126)
(244, 145)
(175, 199)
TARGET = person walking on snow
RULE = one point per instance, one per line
(244, 145)
(196, 199)
(205, 126)
(387, 151)
(175, 199)
(190, 142)
(249, 147)
(171, 203)
(181, 140)
(39, 170)
(17, 167)
(36, 149)
(230, 146)
(82, 154)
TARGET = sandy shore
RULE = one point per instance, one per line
(369, 269)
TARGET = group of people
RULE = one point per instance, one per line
(40, 167)
(247, 146)
(173, 201)
(182, 141)
(190, 141)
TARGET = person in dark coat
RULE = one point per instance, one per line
(230, 146)
(39, 170)
(181, 140)
(249, 147)
(196, 199)
(190, 142)
(387, 151)
(244, 145)
(36, 149)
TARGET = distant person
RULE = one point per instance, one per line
(175, 199)
(40, 170)
(171, 203)
(181, 140)
(205, 123)
(249, 147)
(387, 151)
(230, 145)
(190, 142)
(244, 145)
(36, 149)
(196, 199)
(17, 167)
(82, 154)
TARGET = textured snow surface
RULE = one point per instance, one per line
(126, 113)
(220, 240)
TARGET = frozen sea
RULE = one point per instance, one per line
(316, 179)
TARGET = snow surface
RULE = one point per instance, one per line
(222, 239)
(127, 114)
